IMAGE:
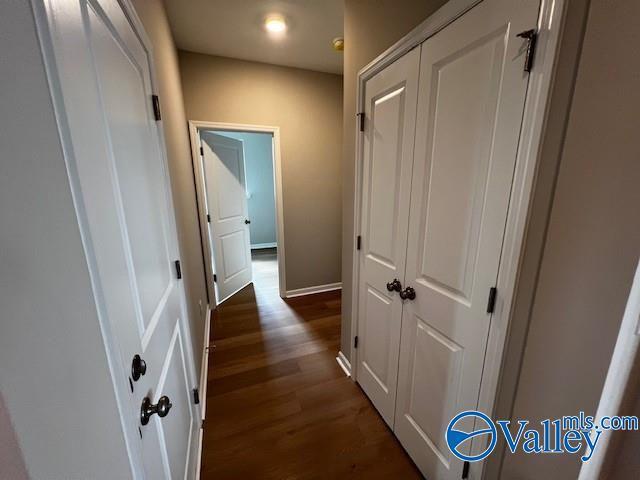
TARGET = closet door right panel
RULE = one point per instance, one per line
(471, 100)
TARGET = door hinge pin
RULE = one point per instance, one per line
(358, 242)
(178, 269)
(156, 107)
(532, 36)
(355, 342)
(491, 303)
(215, 277)
(465, 470)
(208, 218)
(360, 121)
(201, 151)
(196, 396)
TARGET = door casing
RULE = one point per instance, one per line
(550, 25)
(194, 131)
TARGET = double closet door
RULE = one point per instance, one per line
(442, 125)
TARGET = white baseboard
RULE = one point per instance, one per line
(204, 373)
(311, 290)
(258, 246)
(344, 363)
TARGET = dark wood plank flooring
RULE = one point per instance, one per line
(278, 405)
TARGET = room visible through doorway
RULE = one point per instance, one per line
(242, 215)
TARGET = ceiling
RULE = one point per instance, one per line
(235, 28)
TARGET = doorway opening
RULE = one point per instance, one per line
(240, 207)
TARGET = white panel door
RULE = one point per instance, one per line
(223, 162)
(123, 197)
(471, 101)
(390, 109)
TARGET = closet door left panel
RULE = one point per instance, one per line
(389, 125)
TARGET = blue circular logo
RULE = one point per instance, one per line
(457, 439)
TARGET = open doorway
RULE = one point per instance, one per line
(240, 206)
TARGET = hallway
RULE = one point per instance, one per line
(275, 392)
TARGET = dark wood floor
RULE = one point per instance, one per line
(278, 405)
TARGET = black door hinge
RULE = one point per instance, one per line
(358, 242)
(215, 277)
(156, 107)
(491, 303)
(360, 121)
(196, 396)
(465, 470)
(532, 37)
(208, 218)
(201, 151)
(355, 342)
(178, 269)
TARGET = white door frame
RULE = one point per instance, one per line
(194, 127)
(551, 20)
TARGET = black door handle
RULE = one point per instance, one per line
(247, 222)
(408, 293)
(161, 408)
(138, 367)
(394, 286)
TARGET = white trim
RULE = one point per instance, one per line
(204, 369)
(259, 246)
(344, 363)
(619, 378)
(194, 126)
(550, 26)
(298, 292)
(204, 373)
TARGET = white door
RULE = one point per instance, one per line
(118, 163)
(390, 109)
(471, 101)
(223, 164)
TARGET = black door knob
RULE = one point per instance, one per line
(394, 286)
(408, 293)
(148, 409)
(247, 222)
(138, 367)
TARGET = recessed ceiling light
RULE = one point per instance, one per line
(275, 24)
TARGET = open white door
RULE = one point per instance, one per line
(123, 198)
(472, 93)
(390, 112)
(223, 164)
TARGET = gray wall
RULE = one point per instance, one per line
(54, 375)
(174, 123)
(258, 160)
(369, 29)
(307, 106)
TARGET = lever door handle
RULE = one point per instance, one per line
(247, 221)
(408, 293)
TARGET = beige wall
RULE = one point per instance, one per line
(593, 238)
(307, 106)
(369, 29)
(153, 16)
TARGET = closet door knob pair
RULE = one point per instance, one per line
(396, 286)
